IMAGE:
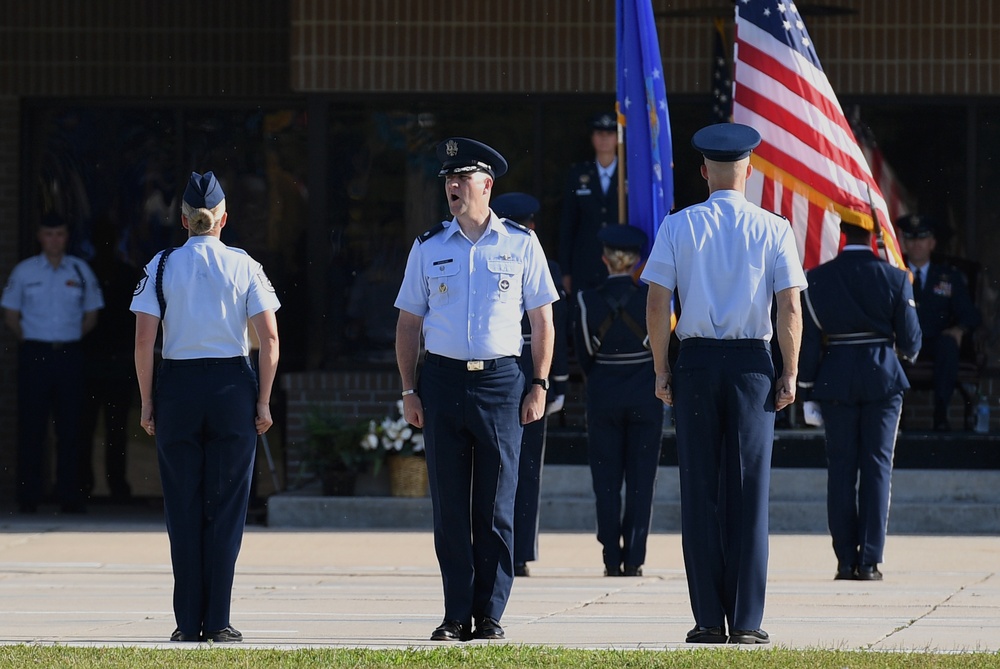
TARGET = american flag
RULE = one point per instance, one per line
(897, 198)
(809, 166)
(722, 80)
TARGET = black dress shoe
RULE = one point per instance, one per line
(521, 569)
(846, 573)
(706, 635)
(226, 635)
(488, 628)
(178, 635)
(749, 636)
(868, 572)
(451, 630)
(612, 570)
(632, 570)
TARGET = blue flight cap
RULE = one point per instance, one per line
(604, 121)
(623, 237)
(203, 191)
(726, 142)
(460, 155)
(915, 226)
(518, 207)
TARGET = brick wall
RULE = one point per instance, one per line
(919, 47)
(124, 48)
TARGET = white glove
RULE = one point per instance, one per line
(555, 406)
(811, 414)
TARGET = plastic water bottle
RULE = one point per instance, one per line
(983, 415)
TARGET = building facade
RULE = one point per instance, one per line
(321, 118)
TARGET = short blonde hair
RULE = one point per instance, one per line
(202, 220)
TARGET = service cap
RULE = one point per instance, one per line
(623, 237)
(726, 142)
(460, 155)
(518, 207)
(915, 226)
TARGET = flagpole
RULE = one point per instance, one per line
(622, 212)
(877, 227)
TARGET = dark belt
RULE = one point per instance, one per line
(206, 362)
(856, 339)
(469, 365)
(50, 345)
(705, 342)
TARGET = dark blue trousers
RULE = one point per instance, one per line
(623, 446)
(860, 441)
(529, 491)
(205, 440)
(49, 384)
(724, 413)
(472, 434)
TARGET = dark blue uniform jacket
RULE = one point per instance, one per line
(853, 299)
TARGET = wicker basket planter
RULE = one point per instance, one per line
(407, 475)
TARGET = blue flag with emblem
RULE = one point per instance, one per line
(642, 112)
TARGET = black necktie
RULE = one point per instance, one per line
(918, 278)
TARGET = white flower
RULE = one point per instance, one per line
(418, 443)
(370, 442)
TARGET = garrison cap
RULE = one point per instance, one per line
(203, 191)
(915, 226)
(605, 121)
(518, 207)
(726, 142)
(623, 237)
(460, 155)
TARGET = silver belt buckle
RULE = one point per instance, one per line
(474, 365)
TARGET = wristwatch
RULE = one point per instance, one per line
(544, 383)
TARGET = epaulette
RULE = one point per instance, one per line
(430, 233)
(513, 224)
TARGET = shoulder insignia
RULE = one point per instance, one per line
(430, 233)
(517, 226)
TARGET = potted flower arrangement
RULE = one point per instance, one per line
(403, 446)
(332, 451)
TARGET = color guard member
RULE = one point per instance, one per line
(521, 208)
(859, 316)
(624, 419)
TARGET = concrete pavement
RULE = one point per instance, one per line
(105, 580)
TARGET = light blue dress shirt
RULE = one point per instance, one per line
(52, 300)
(725, 258)
(210, 290)
(472, 295)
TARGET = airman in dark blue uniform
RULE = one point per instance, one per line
(727, 260)
(944, 307)
(590, 202)
(859, 319)
(624, 419)
(521, 208)
(209, 404)
(468, 283)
